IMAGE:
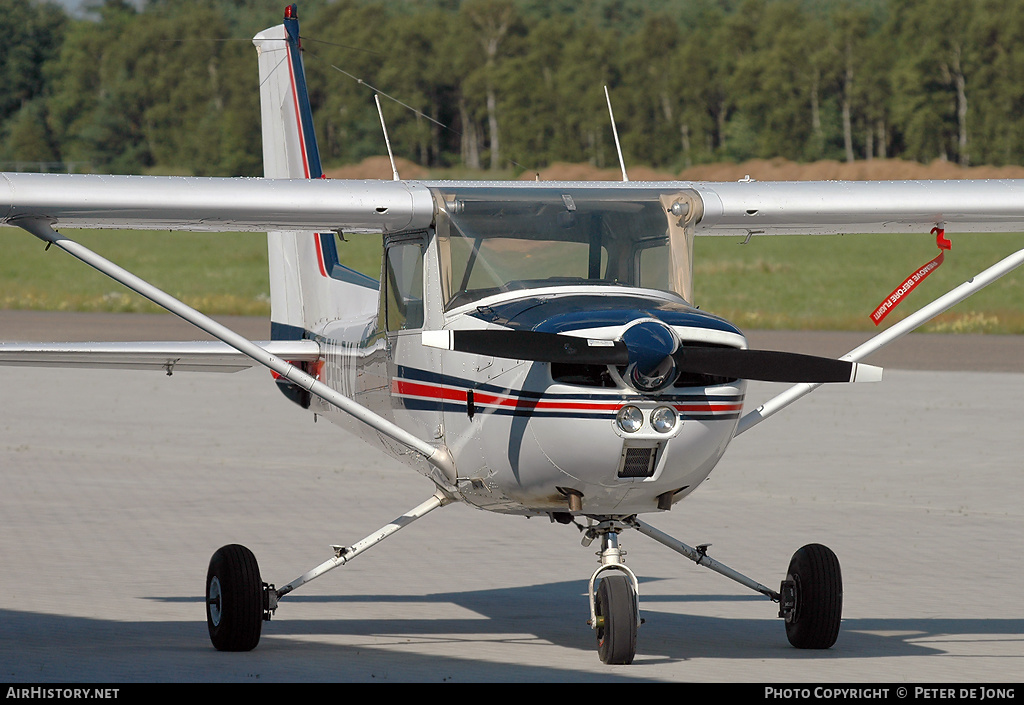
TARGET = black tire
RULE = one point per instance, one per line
(234, 599)
(818, 589)
(615, 606)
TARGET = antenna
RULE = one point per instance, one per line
(387, 140)
(615, 132)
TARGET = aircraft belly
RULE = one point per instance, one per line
(543, 459)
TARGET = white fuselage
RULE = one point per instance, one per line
(522, 439)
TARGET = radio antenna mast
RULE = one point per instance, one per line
(615, 132)
(387, 140)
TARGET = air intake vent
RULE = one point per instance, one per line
(582, 375)
(637, 462)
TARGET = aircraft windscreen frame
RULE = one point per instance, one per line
(495, 240)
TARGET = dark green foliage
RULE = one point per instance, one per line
(519, 84)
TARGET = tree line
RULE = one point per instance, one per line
(519, 84)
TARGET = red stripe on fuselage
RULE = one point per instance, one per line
(708, 408)
(430, 391)
(440, 393)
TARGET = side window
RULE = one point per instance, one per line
(403, 285)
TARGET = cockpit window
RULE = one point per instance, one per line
(494, 240)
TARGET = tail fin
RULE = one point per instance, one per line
(308, 286)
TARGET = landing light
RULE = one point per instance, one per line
(663, 419)
(629, 419)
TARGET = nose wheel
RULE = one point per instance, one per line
(615, 607)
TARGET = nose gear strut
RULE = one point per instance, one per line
(810, 597)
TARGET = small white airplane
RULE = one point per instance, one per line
(530, 347)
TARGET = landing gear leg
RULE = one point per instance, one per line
(614, 605)
(810, 598)
(238, 602)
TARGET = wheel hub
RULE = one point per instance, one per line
(787, 599)
(213, 599)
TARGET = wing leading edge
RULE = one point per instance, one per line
(729, 208)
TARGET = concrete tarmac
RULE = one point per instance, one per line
(116, 487)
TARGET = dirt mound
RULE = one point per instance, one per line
(378, 168)
(780, 169)
(873, 170)
(563, 171)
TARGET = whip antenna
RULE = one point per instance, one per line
(615, 132)
(387, 140)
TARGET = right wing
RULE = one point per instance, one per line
(213, 204)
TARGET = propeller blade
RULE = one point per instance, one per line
(530, 345)
(772, 366)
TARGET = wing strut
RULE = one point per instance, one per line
(439, 457)
(872, 345)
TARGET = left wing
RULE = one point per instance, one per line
(213, 204)
(833, 207)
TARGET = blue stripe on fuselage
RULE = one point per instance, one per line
(414, 374)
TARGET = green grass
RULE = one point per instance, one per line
(791, 282)
(835, 282)
(217, 273)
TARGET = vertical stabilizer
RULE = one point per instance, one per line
(289, 141)
(308, 286)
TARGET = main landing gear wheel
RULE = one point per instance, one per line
(234, 599)
(615, 608)
(813, 598)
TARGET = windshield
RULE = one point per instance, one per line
(494, 240)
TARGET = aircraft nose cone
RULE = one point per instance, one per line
(650, 346)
